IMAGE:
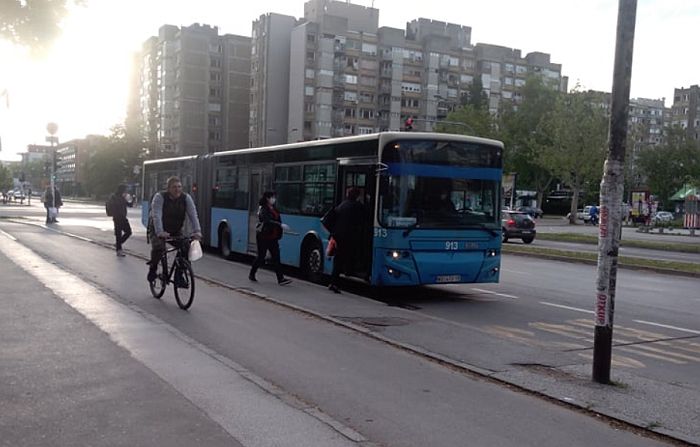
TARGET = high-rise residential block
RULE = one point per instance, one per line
(269, 83)
(193, 91)
(685, 111)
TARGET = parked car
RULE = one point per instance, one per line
(662, 217)
(533, 211)
(583, 214)
(18, 194)
(517, 224)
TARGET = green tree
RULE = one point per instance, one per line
(670, 165)
(469, 120)
(524, 139)
(32, 23)
(5, 178)
(575, 135)
(475, 96)
(112, 163)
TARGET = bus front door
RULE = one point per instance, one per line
(362, 177)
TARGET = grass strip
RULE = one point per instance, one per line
(593, 240)
(591, 258)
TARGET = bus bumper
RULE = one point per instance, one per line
(436, 267)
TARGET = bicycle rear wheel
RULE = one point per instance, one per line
(161, 282)
(184, 283)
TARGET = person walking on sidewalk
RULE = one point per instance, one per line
(347, 232)
(268, 233)
(116, 207)
(52, 202)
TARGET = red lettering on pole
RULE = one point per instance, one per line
(601, 310)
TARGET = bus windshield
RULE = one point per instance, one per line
(429, 184)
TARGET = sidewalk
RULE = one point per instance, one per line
(65, 382)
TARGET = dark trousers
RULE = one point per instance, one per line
(342, 260)
(273, 246)
(122, 231)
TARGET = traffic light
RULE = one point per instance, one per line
(408, 124)
(47, 168)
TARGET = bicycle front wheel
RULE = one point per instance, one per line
(184, 284)
(161, 282)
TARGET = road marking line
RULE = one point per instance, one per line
(561, 306)
(8, 235)
(690, 331)
(513, 297)
(653, 356)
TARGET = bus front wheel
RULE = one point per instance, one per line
(312, 261)
(225, 242)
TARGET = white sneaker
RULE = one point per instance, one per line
(120, 253)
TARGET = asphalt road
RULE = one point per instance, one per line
(540, 314)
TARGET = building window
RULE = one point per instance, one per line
(350, 113)
(410, 87)
(309, 73)
(350, 96)
(368, 48)
(350, 79)
(308, 91)
(215, 62)
(311, 38)
(366, 114)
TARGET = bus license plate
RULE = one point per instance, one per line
(448, 278)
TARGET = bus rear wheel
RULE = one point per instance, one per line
(312, 261)
(225, 242)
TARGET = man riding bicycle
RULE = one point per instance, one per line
(168, 211)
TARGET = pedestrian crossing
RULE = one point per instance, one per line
(632, 346)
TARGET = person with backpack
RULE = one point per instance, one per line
(269, 231)
(116, 208)
(169, 209)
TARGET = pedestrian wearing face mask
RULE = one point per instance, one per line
(269, 231)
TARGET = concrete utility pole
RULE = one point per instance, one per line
(52, 128)
(611, 191)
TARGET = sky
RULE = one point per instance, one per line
(82, 83)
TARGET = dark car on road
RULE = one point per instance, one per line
(517, 225)
(533, 211)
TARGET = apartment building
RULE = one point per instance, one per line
(504, 72)
(685, 111)
(347, 76)
(193, 95)
(269, 83)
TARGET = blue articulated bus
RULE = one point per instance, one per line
(432, 202)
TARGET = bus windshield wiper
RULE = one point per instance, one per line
(410, 228)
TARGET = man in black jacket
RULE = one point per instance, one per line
(122, 229)
(347, 232)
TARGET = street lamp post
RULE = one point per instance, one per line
(52, 128)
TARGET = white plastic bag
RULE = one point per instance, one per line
(53, 212)
(195, 252)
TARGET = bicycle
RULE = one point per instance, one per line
(180, 273)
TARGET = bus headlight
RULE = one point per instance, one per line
(396, 254)
(491, 253)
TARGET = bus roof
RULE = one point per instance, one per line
(374, 136)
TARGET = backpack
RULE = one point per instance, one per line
(109, 204)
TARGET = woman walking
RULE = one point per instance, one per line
(269, 231)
